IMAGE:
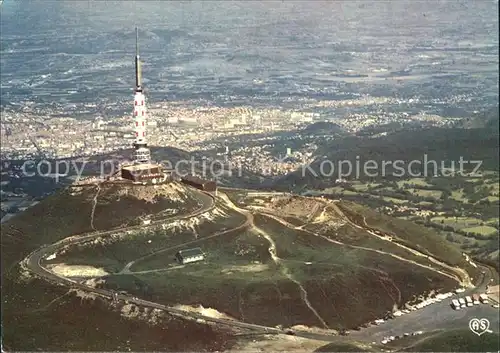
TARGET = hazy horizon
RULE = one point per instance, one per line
(250, 52)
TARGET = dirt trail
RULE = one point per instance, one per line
(286, 273)
(313, 212)
(163, 269)
(94, 204)
(273, 252)
(51, 302)
(291, 226)
(461, 275)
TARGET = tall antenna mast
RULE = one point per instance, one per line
(138, 77)
(142, 153)
(136, 41)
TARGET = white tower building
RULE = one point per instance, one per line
(142, 170)
(142, 153)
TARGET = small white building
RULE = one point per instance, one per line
(190, 255)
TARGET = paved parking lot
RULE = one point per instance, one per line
(432, 317)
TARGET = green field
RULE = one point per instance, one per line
(491, 198)
(435, 194)
(495, 186)
(412, 182)
(394, 200)
(458, 195)
(494, 222)
(481, 230)
(358, 186)
(332, 190)
(457, 222)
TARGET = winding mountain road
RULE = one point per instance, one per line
(33, 263)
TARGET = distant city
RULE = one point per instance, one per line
(57, 135)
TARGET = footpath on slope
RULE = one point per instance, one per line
(273, 252)
(291, 226)
(464, 278)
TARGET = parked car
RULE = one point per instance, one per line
(469, 301)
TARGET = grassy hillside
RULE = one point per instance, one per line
(37, 315)
(240, 277)
(343, 347)
(410, 233)
(457, 341)
(112, 254)
(347, 283)
(69, 212)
